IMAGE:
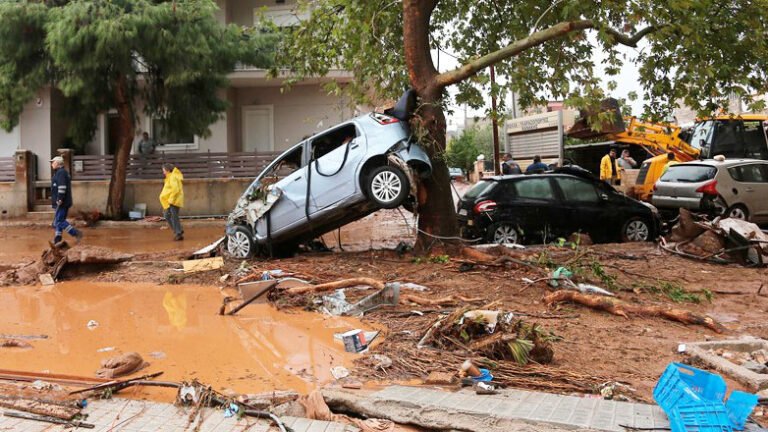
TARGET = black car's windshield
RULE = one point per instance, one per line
(689, 173)
(483, 186)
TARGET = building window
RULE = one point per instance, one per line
(168, 140)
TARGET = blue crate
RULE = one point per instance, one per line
(700, 417)
(739, 406)
(683, 385)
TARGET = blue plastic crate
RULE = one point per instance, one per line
(683, 385)
(739, 406)
(700, 417)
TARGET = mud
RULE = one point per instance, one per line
(26, 243)
(177, 330)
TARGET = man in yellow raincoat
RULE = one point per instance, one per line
(172, 198)
(609, 168)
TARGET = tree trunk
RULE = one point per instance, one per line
(124, 143)
(437, 214)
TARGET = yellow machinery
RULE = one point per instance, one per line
(742, 136)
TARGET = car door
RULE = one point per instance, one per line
(336, 156)
(534, 207)
(751, 189)
(581, 209)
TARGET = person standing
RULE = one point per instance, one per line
(626, 161)
(509, 166)
(61, 201)
(172, 198)
(146, 145)
(609, 168)
(537, 167)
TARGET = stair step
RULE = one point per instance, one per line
(42, 208)
(40, 215)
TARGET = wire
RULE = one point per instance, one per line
(434, 235)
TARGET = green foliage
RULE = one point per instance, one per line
(434, 259)
(171, 57)
(701, 50)
(675, 292)
(605, 278)
(462, 152)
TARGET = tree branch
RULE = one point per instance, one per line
(534, 39)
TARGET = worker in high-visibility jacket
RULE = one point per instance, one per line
(609, 168)
(172, 198)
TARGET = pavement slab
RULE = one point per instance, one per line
(122, 415)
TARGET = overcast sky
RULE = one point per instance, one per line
(626, 81)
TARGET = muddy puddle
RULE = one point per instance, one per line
(175, 328)
(19, 243)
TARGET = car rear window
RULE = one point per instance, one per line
(688, 173)
(481, 187)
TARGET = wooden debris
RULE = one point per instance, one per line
(15, 343)
(441, 378)
(39, 407)
(617, 307)
(450, 300)
(201, 265)
(46, 279)
(345, 283)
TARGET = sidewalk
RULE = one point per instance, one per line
(122, 415)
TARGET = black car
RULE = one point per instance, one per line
(543, 207)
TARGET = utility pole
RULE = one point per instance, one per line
(494, 115)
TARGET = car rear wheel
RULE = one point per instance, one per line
(503, 233)
(737, 211)
(387, 186)
(240, 243)
(636, 230)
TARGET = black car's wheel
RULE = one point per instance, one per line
(636, 229)
(240, 243)
(503, 232)
(737, 211)
(387, 186)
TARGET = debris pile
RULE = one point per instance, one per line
(756, 361)
(721, 240)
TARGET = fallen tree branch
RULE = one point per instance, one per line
(345, 283)
(617, 307)
(422, 301)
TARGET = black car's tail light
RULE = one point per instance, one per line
(484, 206)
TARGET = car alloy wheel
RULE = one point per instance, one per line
(737, 212)
(239, 244)
(636, 230)
(388, 186)
(505, 233)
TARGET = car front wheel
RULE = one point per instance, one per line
(240, 243)
(636, 230)
(387, 186)
(503, 233)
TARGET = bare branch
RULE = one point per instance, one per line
(535, 39)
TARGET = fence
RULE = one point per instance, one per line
(7, 169)
(192, 165)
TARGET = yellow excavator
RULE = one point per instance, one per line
(742, 136)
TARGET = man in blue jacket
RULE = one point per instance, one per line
(61, 200)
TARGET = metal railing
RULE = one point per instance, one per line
(192, 165)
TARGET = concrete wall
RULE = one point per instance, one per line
(36, 134)
(16, 196)
(303, 110)
(9, 142)
(201, 197)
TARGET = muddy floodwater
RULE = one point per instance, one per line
(177, 329)
(28, 242)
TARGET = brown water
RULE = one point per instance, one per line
(20, 243)
(175, 328)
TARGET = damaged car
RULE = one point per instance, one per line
(329, 180)
(544, 207)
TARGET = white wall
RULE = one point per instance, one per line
(9, 142)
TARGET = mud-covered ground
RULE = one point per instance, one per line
(632, 350)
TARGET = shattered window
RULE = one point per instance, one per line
(535, 188)
(575, 190)
(326, 143)
(287, 163)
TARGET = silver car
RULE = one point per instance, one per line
(327, 181)
(736, 188)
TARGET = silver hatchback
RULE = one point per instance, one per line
(736, 188)
(326, 181)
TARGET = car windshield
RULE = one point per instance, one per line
(480, 188)
(689, 173)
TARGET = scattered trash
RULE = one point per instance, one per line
(15, 343)
(354, 385)
(614, 391)
(339, 372)
(46, 279)
(693, 398)
(681, 348)
(92, 324)
(558, 275)
(336, 303)
(354, 341)
(231, 410)
(592, 289)
(252, 291)
(208, 250)
(488, 318)
(224, 278)
(382, 361)
(201, 265)
(44, 385)
(414, 287)
(124, 364)
(483, 388)
(105, 349)
(189, 394)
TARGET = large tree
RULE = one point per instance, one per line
(697, 51)
(169, 57)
